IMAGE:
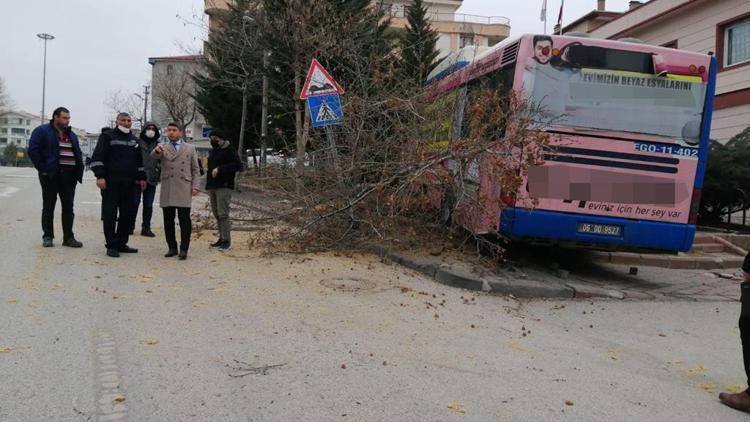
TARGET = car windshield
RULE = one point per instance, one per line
(619, 101)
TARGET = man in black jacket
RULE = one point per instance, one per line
(56, 154)
(117, 163)
(149, 139)
(223, 164)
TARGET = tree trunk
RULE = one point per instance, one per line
(241, 142)
(300, 163)
(264, 115)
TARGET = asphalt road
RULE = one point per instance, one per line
(247, 337)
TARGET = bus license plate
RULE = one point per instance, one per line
(602, 229)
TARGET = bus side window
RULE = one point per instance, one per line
(437, 128)
(500, 80)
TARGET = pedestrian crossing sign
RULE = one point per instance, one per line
(325, 110)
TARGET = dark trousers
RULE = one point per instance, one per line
(148, 204)
(117, 213)
(62, 184)
(745, 327)
(186, 227)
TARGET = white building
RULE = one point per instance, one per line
(173, 73)
(16, 128)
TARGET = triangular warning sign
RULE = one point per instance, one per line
(325, 114)
(319, 82)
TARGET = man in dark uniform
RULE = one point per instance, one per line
(118, 164)
(741, 401)
(56, 154)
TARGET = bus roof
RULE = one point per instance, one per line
(508, 51)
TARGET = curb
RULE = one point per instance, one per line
(667, 261)
(524, 288)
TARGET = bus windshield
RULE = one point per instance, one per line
(620, 101)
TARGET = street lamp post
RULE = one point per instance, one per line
(45, 37)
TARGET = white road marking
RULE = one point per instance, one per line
(8, 192)
(21, 176)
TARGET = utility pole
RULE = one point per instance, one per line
(264, 113)
(45, 37)
(146, 89)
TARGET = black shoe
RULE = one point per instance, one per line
(114, 253)
(47, 242)
(171, 253)
(183, 255)
(127, 249)
(72, 243)
(217, 244)
(146, 231)
(227, 245)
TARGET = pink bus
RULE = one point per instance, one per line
(629, 133)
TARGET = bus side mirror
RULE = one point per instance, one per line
(691, 132)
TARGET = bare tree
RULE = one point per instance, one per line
(174, 92)
(5, 102)
(120, 101)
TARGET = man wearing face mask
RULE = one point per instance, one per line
(149, 139)
(118, 164)
(223, 164)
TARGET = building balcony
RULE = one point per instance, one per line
(493, 28)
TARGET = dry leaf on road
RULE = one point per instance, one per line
(150, 341)
(736, 388)
(456, 408)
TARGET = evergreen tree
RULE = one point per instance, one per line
(231, 63)
(419, 45)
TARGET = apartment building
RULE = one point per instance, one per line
(719, 27)
(173, 73)
(456, 30)
(16, 128)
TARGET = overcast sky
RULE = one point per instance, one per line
(103, 45)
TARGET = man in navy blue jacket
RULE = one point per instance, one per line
(118, 165)
(56, 154)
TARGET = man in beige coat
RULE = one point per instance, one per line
(179, 183)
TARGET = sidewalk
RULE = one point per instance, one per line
(708, 274)
(587, 279)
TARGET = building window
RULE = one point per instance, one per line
(733, 42)
(28, 132)
(671, 44)
(737, 43)
(4, 130)
(3, 141)
(170, 69)
(18, 131)
(5, 120)
(20, 121)
(28, 123)
(466, 40)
